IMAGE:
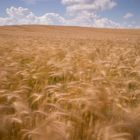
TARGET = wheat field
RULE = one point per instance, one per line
(69, 83)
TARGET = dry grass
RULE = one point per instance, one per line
(67, 83)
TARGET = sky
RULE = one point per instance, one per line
(89, 13)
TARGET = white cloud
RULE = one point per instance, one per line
(18, 16)
(84, 12)
(74, 6)
(79, 13)
(128, 15)
(91, 20)
(50, 19)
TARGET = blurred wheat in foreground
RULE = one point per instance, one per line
(67, 83)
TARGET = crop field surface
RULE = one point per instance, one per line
(69, 83)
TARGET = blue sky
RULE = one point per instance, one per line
(95, 13)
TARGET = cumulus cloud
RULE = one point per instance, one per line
(73, 6)
(91, 20)
(84, 12)
(18, 16)
(80, 13)
(128, 15)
